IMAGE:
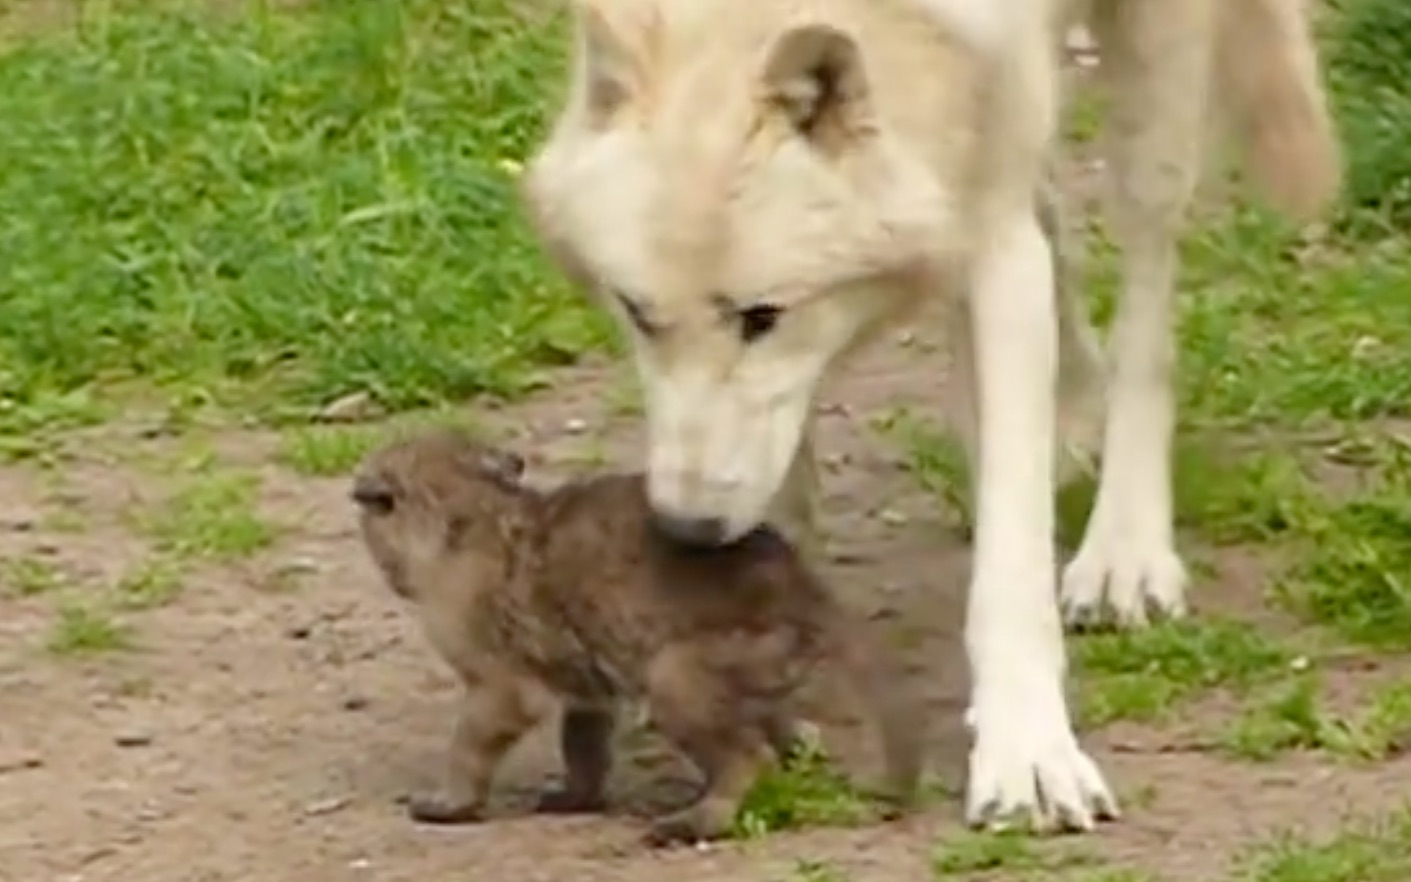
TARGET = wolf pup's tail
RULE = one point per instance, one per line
(1267, 74)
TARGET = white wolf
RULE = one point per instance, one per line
(754, 188)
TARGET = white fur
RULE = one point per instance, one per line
(700, 165)
(1026, 758)
(1127, 563)
(983, 25)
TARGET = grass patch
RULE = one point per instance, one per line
(327, 451)
(816, 871)
(1144, 675)
(333, 211)
(86, 630)
(331, 450)
(807, 791)
(1373, 851)
(214, 515)
(934, 458)
(154, 582)
(1274, 335)
(1222, 496)
(1006, 853)
(1354, 574)
(1293, 716)
(30, 576)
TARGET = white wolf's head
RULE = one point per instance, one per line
(725, 184)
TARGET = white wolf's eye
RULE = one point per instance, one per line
(756, 321)
(638, 316)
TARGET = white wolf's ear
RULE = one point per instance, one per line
(606, 64)
(814, 74)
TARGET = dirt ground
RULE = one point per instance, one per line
(268, 734)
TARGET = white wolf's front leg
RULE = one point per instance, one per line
(1025, 758)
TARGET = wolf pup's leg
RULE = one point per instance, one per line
(785, 735)
(585, 740)
(492, 718)
(696, 711)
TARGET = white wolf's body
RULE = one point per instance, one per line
(756, 187)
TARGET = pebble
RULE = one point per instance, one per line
(891, 517)
(327, 806)
(297, 565)
(19, 762)
(102, 852)
(847, 558)
(354, 703)
(575, 426)
(299, 632)
(352, 408)
(132, 739)
(151, 813)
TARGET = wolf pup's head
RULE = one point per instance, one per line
(427, 497)
(721, 180)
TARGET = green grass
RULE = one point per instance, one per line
(86, 630)
(1009, 854)
(331, 210)
(1368, 851)
(213, 515)
(1355, 573)
(326, 451)
(1145, 675)
(1294, 716)
(933, 457)
(330, 450)
(808, 791)
(152, 583)
(816, 871)
(30, 576)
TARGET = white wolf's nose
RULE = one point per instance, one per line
(695, 532)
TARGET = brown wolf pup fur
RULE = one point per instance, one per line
(569, 600)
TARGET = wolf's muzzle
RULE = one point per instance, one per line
(694, 532)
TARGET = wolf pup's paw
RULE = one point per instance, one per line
(563, 801)
(894, 805)
(435, 808)
(699, 823)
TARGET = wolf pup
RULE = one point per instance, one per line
(571, 601)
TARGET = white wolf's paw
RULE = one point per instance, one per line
(1026, 762)
(1126, 572)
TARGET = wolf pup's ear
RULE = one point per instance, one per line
(814, 74)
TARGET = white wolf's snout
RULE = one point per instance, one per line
(718, 455)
